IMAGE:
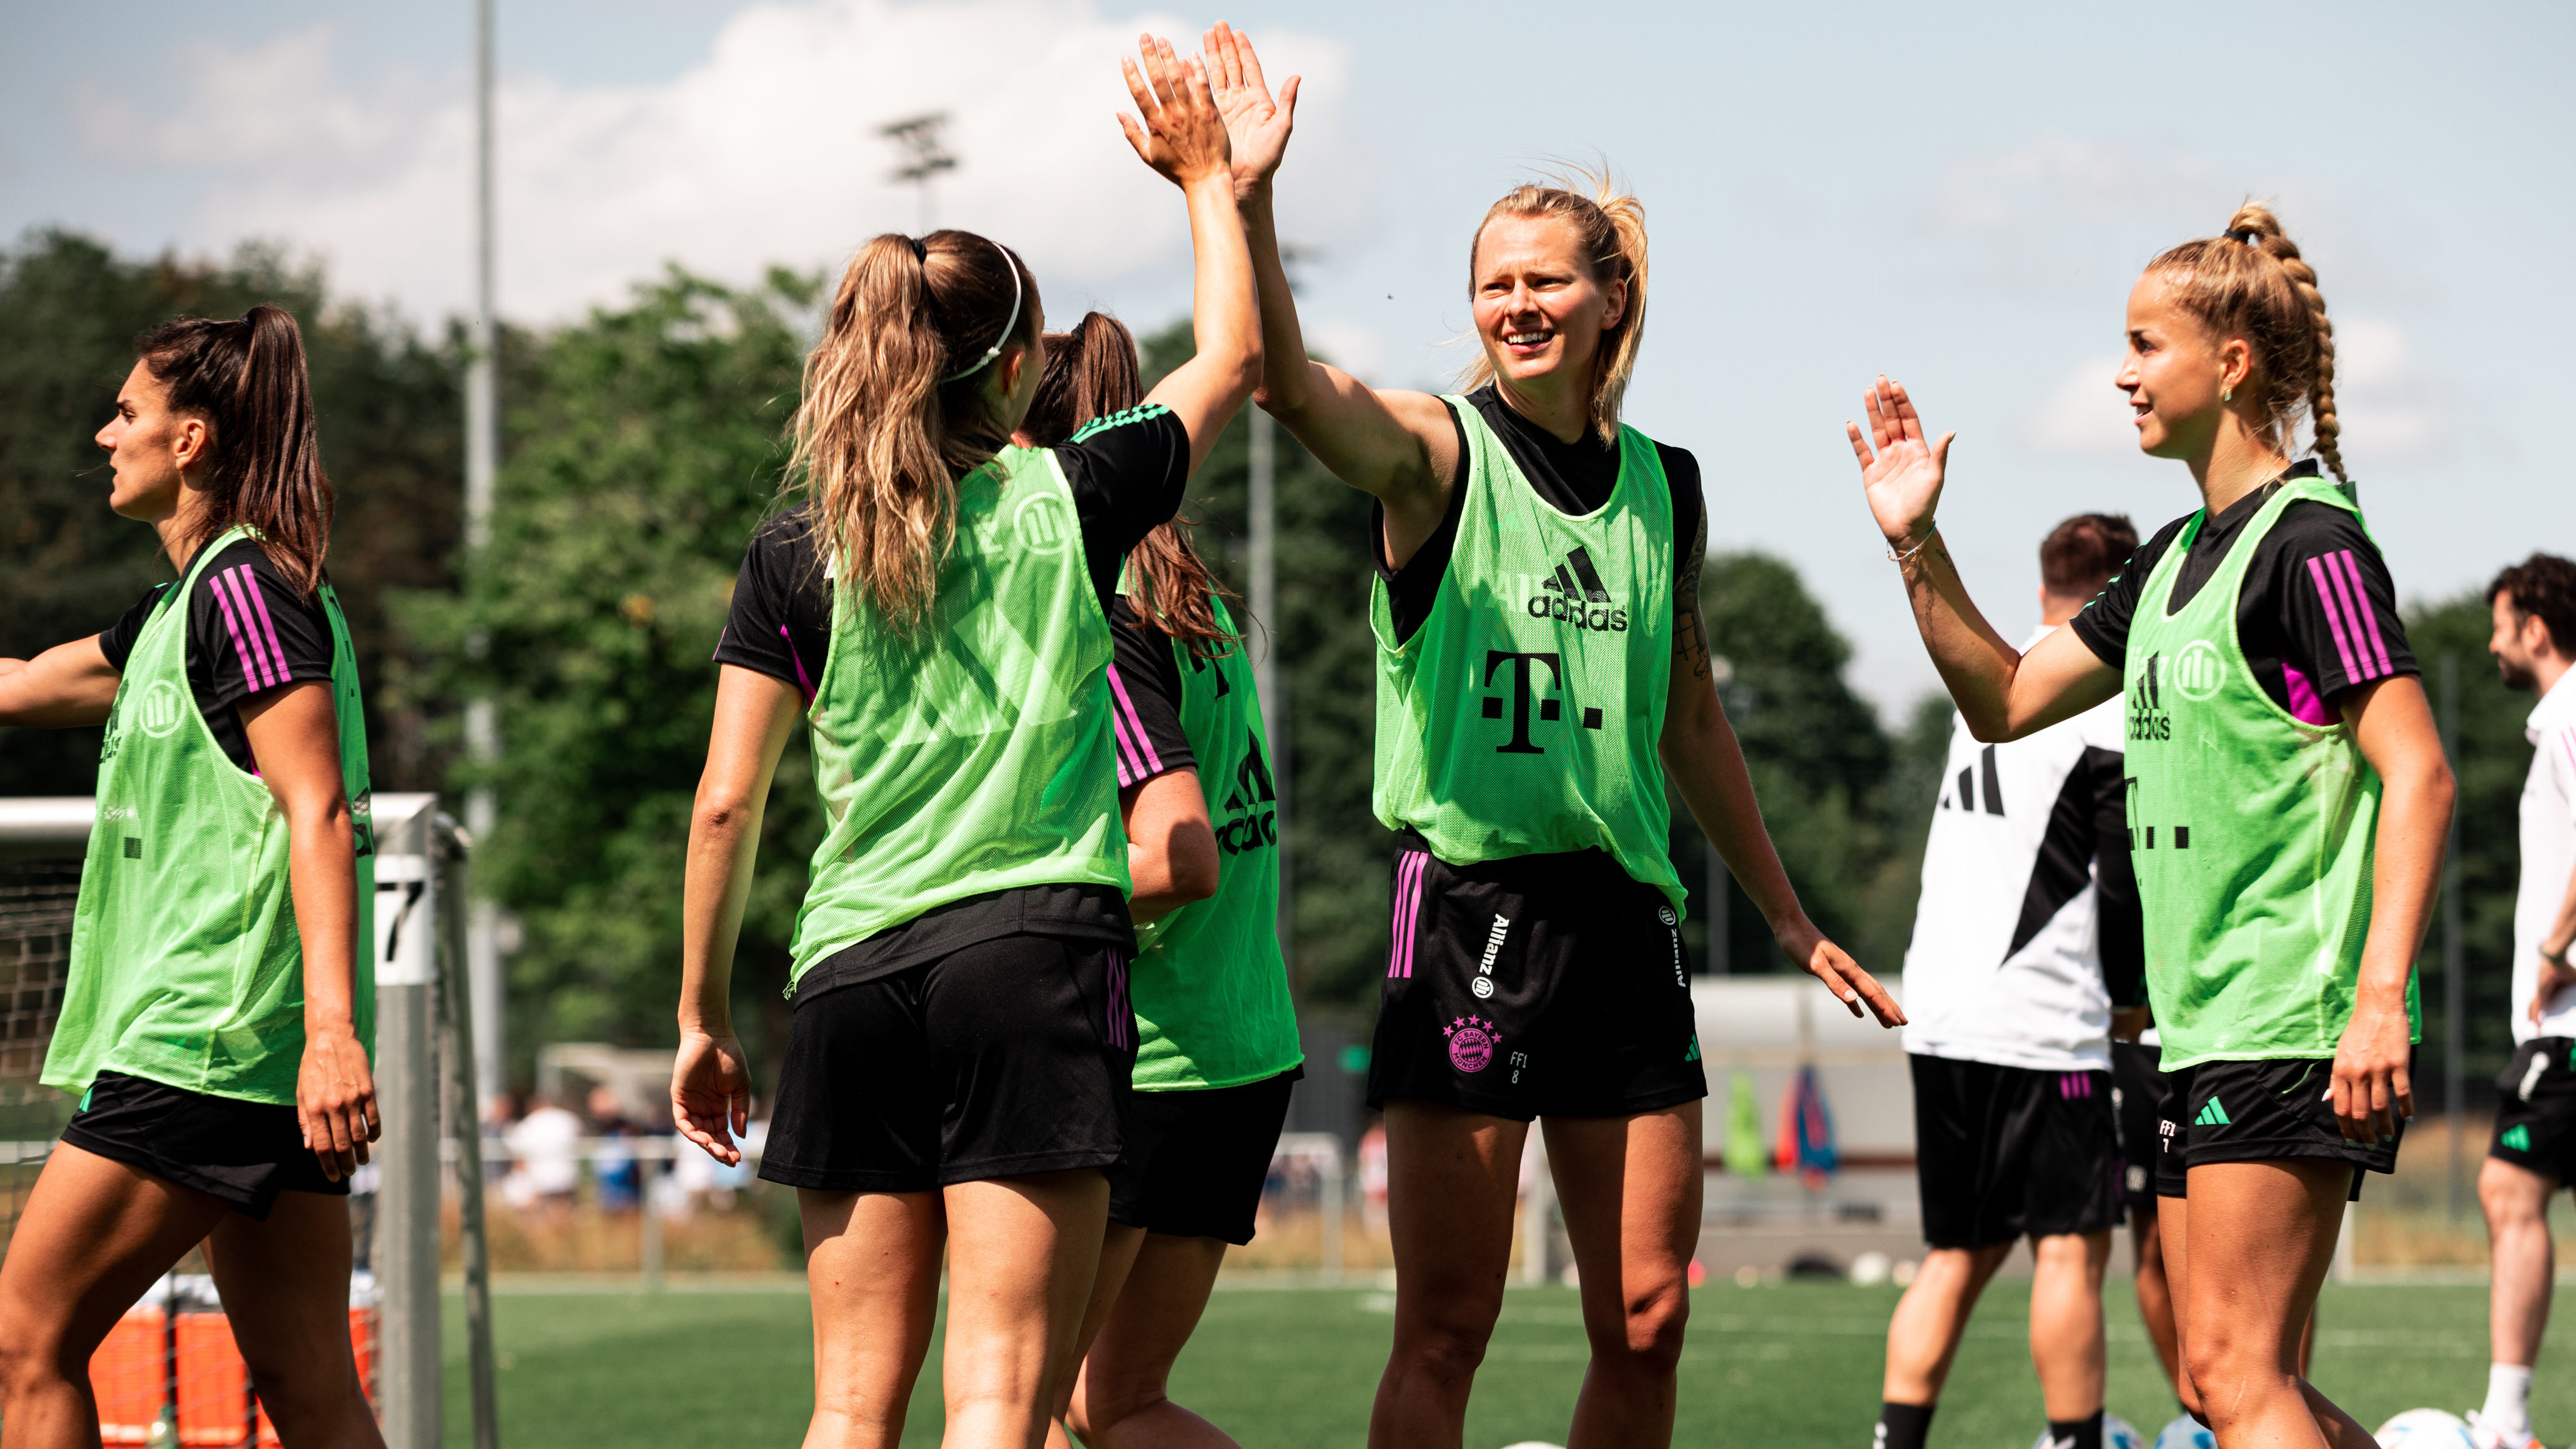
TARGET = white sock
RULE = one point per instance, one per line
(2508, 1407)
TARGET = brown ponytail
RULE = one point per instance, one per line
(900, 404)
(2251, 282)
(1612, 225)
(1091, 373)
(247, 379)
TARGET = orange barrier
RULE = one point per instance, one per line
(130, 1374)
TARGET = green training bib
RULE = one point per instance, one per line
(2253, 831)
(186, 968)
(1522, 717)
(1210, 988)
(974, 755)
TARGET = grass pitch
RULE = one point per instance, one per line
(1790, 1365)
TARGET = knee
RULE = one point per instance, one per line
(2508, 1197)
(2222, 1364)
(32, 1358)
(1446, 1348)
(1649, 1331)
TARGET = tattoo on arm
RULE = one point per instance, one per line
(1690, 631)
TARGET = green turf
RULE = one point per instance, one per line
(1792, 1365)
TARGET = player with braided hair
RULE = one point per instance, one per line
(2287, 795)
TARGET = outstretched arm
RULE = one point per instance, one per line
(1706, 765)
(1398, 445)
(1182, 136)
(69, 684)
(2003, 693)
(710, 1079)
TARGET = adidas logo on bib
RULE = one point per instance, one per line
(1575, 594)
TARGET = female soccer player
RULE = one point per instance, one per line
(2288, 794)
(957, 1072)
(218, 1021)
(1542, 672)
(1216, 1032)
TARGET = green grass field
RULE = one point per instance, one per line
(1784, 1366)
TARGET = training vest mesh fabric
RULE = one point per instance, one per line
(1522, 717)
(973, 755)
(1210, 989)
(2252, 831)
(186, 968)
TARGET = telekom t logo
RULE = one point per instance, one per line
(1548, 708)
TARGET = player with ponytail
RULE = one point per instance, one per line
(936, 606)
(1543, 675)
(2288, 795)
(219, 1018)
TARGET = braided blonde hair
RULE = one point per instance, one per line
(1612, 226)
(2251, 282)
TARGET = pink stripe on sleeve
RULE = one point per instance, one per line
(1128, 774)
(2369, 616)
(252, 675)
(2352, 671)
(249, 584)
(1144, 745)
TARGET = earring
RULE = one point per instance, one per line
(2227, 394)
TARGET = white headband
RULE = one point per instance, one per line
(996, 349)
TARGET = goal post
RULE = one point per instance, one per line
(423, 1023)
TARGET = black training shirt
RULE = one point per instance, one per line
(249, 631)
(1145, 697)
(2316, 616)
(1128, 472)
(1572, 478)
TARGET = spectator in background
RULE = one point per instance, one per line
(545, 1157)
(620, 1177)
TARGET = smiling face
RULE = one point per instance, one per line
(1540, 313)
(149, 447)
(2176, 373)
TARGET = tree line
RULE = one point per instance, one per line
(643, 442)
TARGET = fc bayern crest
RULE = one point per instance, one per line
(1471, 1043)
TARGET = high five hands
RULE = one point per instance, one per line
(1903, 477)
(1257, 125)
(1182, 134)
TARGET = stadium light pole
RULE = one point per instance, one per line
(925, 152)
(482, 459)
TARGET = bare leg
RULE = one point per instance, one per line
(2261, 1236)
(1451, 1179)
(872, 1265)
(2173, 1233)
(1630, 1188)
(1124, 1399)
(285, 1285)
(2066, 1342)
(1118, 1249)
(94, 1235)
(2523, 1259)
(2155, 1295)
(1923, 1335)
(1022, 1254)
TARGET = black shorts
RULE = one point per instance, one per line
(2005, 1153)
(2138, 1090)
(1196, 1160)
(1005, 1058)
(2535, 1122)
(244, 1153)
(1541, 985)
(2263, 1111)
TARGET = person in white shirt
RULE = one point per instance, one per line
(2534, 1151)
(2024, 944)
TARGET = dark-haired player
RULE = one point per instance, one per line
(2534, 1152)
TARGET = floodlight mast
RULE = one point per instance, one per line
(482, 461)
(925, 153)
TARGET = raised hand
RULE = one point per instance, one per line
(1903, 477)
(1257, 126)
(1181, 135)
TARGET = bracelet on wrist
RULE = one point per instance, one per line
(1894, 557)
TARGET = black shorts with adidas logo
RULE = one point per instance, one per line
(1535, 986)
(2260, 1111)
(2535, 1123)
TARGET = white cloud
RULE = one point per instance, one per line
(2392, 408)
(2084, 415)
(766, 151)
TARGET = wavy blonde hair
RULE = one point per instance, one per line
(2250, 281)
(897, 408)
(1612, 227)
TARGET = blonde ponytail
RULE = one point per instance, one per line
(1612, 226)
(2251, 281)
(880, 439)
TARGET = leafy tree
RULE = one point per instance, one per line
(70, 311)
(645, 444)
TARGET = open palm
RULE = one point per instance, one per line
(1899, 472)
(1257, 125)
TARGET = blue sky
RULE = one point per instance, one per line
(1961, 202)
